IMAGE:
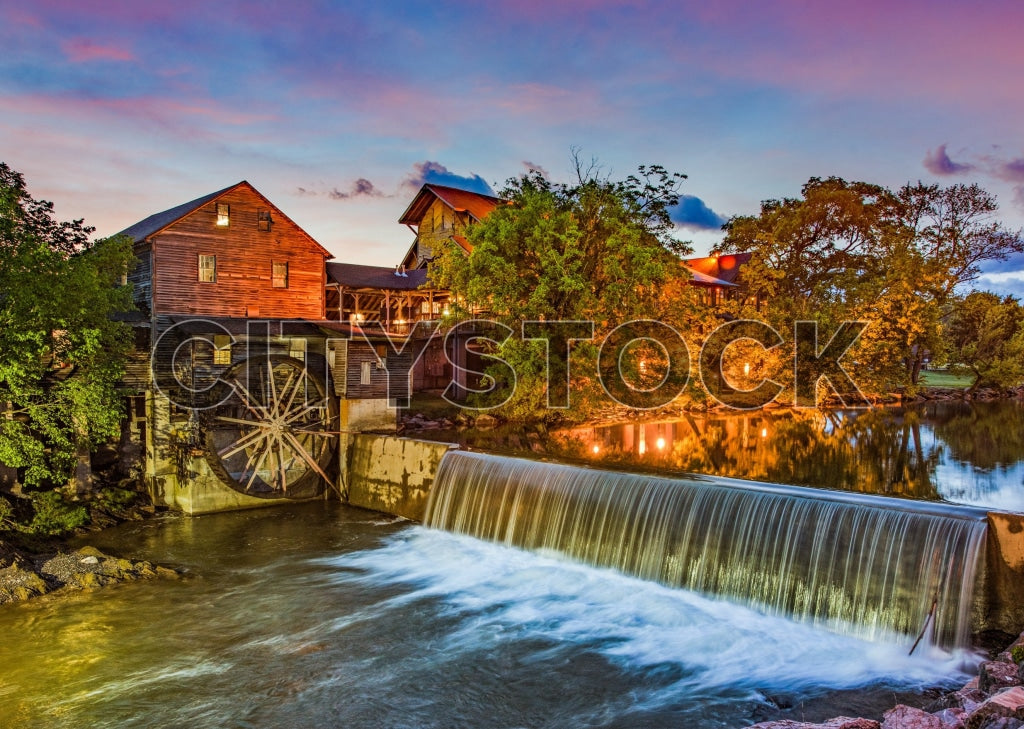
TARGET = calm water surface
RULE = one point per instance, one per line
(325, 616)
(958, 452)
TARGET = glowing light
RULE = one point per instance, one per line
(660, 443)
(597, 448)
(764, 432)
(746, 368)
(643, 365)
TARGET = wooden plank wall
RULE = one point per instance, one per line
(244, 257)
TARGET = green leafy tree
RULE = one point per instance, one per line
(986, 336)
(597, 250)
(61, 352)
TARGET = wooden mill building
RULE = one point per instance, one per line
(250, 384)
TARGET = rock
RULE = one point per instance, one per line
(952, 718)
(165, 572)
(90, 552)
(1003, 723)
(1007, 704)
(17, 583)
(966, 699)
(89, 560)
(486, 421)
(840, 722)
(995, 675)
(907, 717)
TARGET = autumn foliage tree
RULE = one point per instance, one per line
(857, 251)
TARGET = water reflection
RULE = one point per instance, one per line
(967, 453)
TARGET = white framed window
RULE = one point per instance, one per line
(223, 214)
(207, 268)
(279, 275)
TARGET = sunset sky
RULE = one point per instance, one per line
(338, 111)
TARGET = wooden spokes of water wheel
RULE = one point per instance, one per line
(272, 437)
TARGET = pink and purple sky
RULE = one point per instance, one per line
(339, 111)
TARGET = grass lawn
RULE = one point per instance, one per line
(941, 378)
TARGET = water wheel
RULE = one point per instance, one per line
(272, 437)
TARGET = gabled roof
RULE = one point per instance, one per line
(477, 205)
(722, 270)
(157, 222)
(374, 277)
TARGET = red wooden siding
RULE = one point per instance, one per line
(245, 257)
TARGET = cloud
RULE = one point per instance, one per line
(1006, 283)
(79, 50)
(1011, 170)
(534, 167)
(428, 172)
(360, 188)
(937, 162)
(692, 212)
(1014, 263)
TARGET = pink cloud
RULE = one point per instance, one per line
(937, 162)
(79, 50)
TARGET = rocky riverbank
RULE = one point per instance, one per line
(32, 565)
(994, 699)
(25, 575)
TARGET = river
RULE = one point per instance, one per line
(321, 615)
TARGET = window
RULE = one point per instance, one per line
(364, 373)
(263, 220)
(297, 348)
(279, 275)
(223, 214)
(207, 268)
(221, 349)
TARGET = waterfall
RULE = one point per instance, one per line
(875, 567)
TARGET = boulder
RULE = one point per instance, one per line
(486, 421)
(840, 722)
(907, 717)
(996, 675)
(1007, 704)
(952, 718)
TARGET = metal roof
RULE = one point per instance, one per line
(477, 205)
(375, 277)
(158, 221)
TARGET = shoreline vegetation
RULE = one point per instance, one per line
(37, 563)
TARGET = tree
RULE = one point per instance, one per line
(61, 352)
(597, 250)
(858, 251)
(986, 336)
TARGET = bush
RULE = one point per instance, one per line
(6, 511)
(54, 515)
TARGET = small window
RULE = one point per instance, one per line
(221, 349)
(279, 275)
(297, 349)
(263, 220)
(364, 374)
(207, 268)
(223, 214)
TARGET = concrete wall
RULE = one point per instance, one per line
(1002, 584)
(391, 474)
(200, 491)
(367, 414)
